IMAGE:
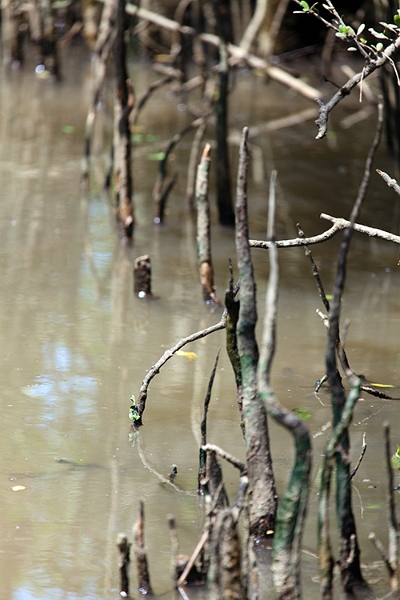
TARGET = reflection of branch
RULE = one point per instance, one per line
(236, 53)
(369, 67)
(338, 225)
(358, 463)
(160, 476)
(142, 101)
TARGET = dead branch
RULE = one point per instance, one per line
(389, 181)
(263, 502)
(342, 408)
(393, 542)
(203, 426)
(136, 439)
(123, 562)
(238, 464)
(155, 369)
(143, 99)
(360, 458)
(224, 576)
(254, 25)
(369, 67)
(203, 228)
(346, 367)
(236, 52)
(339, 224)
(139, 548)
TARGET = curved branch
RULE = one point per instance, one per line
(326, 107)
(292, 508)
(141, 403)
(338, 225)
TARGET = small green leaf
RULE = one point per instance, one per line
(396, 19)
(395, 460)
(137, 137)
(68, 129)
(133, 413)
(156, 156)
(305, 5)
(302, 412)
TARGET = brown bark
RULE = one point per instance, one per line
(142, 276)
(143, 573)
(122, 139)
(262, 494)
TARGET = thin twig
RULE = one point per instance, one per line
(358, 463)
(389, 181)
(238, 464)
(155, 369)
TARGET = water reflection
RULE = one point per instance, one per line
(75, 343)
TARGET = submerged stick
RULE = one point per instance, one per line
(102, 52)
(203, 228)
(224, 575)
(143, 573)
(123, 562)
(158, 194)
(203, 426)
(191, 171)
(123, 105)
(393, 544)
(232, 306)
(142, 276)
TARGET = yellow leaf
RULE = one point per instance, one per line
(383, 385)
(18, 488)
(189, 355)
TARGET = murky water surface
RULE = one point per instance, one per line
(75, 343)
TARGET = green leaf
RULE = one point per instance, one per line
(133, 413)
(396, 19)
(395, 460)
(156, 156)
(67, 129)
(303, 413)
(305, 5)
(137, 137)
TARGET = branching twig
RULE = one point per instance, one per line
(338, 225)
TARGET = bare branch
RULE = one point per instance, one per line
(389, 181)
(338, 225)
(360, 458)
(238, 464)
(369, 67)
(141, 404)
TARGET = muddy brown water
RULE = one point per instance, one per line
(75, 344)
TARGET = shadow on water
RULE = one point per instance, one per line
(75, 344)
